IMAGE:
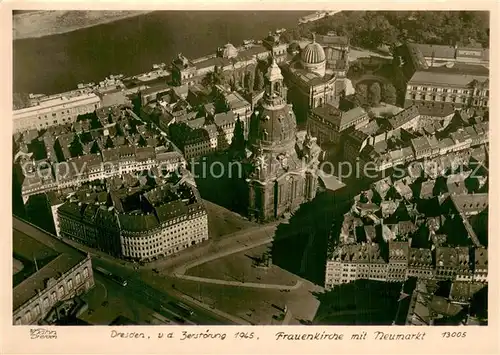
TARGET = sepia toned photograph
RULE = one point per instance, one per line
(321, 168)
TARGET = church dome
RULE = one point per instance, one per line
(272, 38)
(313, 53)
(229, 51)
(294, 47)
(272, 125)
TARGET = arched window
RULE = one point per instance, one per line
(277, 86)
(60, 292)
(36, 310)
(27, 317)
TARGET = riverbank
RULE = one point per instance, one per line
(46, 23)
(56, 63)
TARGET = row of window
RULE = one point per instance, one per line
(443, 98)
(171, 241)
(29, 122)
(156, 252)
(145, 240)
(446, 90)
(54, 296)
(89, 235)
(363, 268)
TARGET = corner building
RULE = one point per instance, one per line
(281, 171)
(170, 218)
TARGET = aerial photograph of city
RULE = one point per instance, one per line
(250, 167)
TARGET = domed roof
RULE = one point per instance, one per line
(229, 51)
(294, 46)
(313, 53)
(273, 38)
(271, 125)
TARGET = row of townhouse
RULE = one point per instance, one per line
(366, 261)
(43, 177)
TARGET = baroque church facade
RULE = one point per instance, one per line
(281, 169)
(315, 79)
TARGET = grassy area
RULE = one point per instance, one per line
(366, 66)
(242, 267)
(381, 70)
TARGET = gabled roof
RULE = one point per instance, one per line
(225, 118)
(404, 116)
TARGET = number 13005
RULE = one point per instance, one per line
(454, 334)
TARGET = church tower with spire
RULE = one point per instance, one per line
(281, 173)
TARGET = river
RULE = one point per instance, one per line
(130, 46)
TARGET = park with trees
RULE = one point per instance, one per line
(372, 29)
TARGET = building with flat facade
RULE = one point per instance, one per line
(52, 111)
(327, 122)
(58, 273)
(367, 261)
(456, 88)
(398, 261)
(420, 56)
(440, 76)
(353, 262)
(442, 55)
(226, 59)
(225, 122)
(202, 140)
